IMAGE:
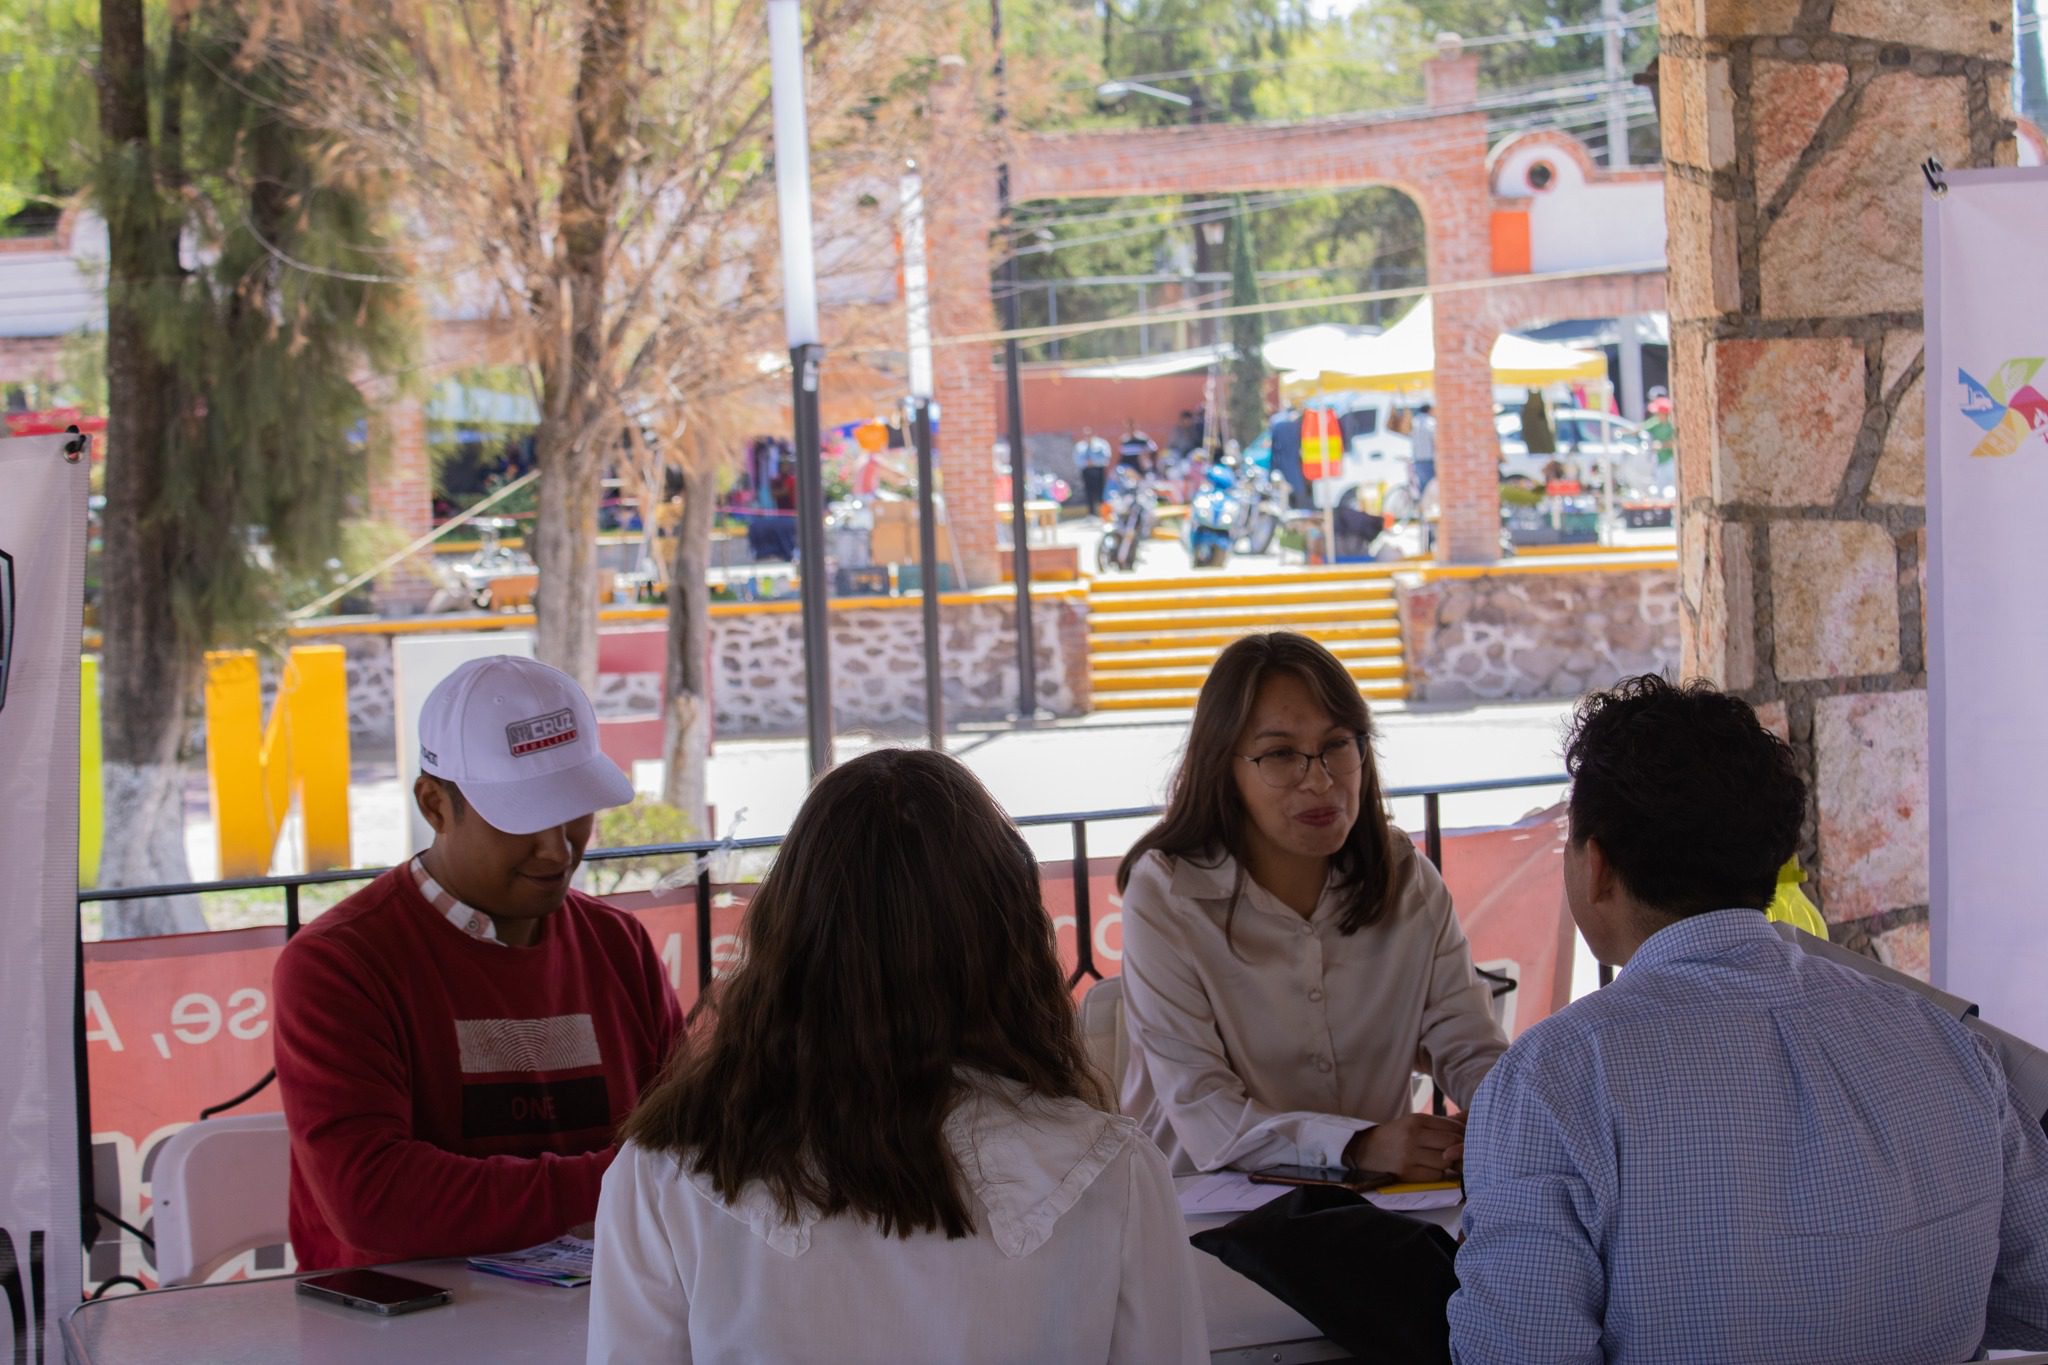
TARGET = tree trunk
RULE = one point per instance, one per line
(565, 545)
(150, 665)
(573, 441)
(687, 736)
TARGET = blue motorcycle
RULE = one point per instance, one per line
(1212, 519)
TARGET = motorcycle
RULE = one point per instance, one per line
(1133, 512)
(1212, 526)
(468, 584)
(1262, 503)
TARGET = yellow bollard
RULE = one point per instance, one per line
(255, 771)
(91, 808)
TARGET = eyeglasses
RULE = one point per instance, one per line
(1282, 768)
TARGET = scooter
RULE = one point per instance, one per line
(1133, 512)
(1212, 519)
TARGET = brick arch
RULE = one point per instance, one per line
(1439, 160)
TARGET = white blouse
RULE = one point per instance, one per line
(1277, 1045)
(1079, 1254)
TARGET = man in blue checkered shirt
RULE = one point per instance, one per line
(1736, 1152)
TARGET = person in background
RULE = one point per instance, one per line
(890, 1146)
(1737, 1151)
(1289, 959)
(1422, 450)
(1137, 450)
(1091, 458)
(457, 1041)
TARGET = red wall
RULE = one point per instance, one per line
(1054, 404)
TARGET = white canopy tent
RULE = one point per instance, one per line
(1404, 357)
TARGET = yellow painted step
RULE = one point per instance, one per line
(1126, 660)
(1164, 679)
(1303, 618)
(1216, 598)
(1345, 573)
(1108, 640)
(1183, 699)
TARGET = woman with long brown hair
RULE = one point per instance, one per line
(1289, 959)
(888, 1144)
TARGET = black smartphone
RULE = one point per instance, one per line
(373, 1291)
(1338, 1177)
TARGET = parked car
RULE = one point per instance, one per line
(1587, 443)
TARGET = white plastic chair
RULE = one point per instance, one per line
(219, 1188)
(1102, 1031)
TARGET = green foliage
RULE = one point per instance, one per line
(1247, 336)
(646, 822)
(47, 52)
(295, 296)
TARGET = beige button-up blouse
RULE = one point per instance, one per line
(1278, 1052)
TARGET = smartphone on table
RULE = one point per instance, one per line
(1335, 1177)
(373, 1291)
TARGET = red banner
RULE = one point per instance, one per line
(175, 1025)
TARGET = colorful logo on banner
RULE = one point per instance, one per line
(1322, 444)
(2009, 408)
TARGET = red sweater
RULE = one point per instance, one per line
(448, 1096)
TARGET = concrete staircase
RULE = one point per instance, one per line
(1151, 640)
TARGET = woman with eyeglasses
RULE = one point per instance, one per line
(1290, 960)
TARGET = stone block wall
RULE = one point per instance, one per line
(1791, 134)
(758, 670)
(878, 664)
(1511, 636)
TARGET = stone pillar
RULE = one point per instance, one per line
(402, 498)
(1456, 203)
(1792, 132)
(960, 213)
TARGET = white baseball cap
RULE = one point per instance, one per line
(520, 739)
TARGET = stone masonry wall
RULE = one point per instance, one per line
(1792, 130)
(758, 669)
(1528, 636)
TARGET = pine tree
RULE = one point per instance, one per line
(246, 288)
(1247, 336)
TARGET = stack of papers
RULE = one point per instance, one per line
(564, 1261)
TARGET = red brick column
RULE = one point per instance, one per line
(960, 213)
(1456, 201)
(402, 498)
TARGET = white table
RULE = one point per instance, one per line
(268, 1322)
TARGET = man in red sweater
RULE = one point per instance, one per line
(457, 1041)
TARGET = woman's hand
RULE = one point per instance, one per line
(1414, 1147)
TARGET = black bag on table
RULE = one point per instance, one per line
(1373, 1281)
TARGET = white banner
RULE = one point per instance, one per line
(42, 584)
(1987, 573)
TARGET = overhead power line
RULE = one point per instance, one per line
(1646, 19)
(1067, 329)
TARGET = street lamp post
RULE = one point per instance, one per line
(1013, 402)
(806, 355)
(917, 307)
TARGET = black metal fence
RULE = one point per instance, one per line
(291, 885)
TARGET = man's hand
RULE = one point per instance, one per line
(1414, 1147)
